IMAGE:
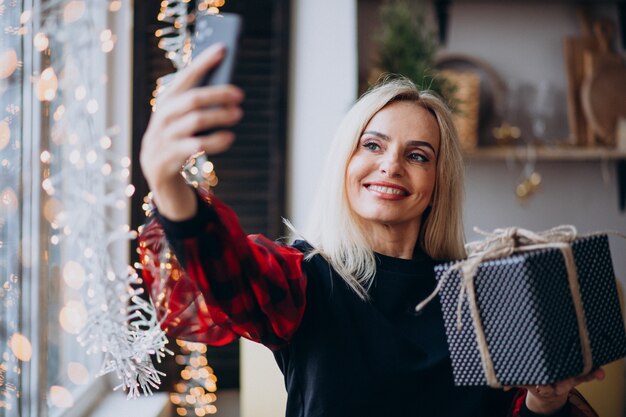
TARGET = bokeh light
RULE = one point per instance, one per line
(41, 42)
(73, 11)
(74, 275)
(5, 134)
(78, 373)
(73, 317)
(47, 85)
(61, 397)
(21, 347)
(8, 63)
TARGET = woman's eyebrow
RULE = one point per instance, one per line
(410, 143)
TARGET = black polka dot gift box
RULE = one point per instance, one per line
(531, 308)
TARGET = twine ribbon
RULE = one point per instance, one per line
(503, 243)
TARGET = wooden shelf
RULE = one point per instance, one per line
(558, 154)
(498, 153)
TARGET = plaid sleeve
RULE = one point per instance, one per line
(221, 284)
(576, 406)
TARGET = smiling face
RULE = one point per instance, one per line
(391, 176)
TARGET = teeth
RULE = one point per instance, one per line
(386, 190)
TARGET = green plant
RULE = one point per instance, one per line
(407, 45)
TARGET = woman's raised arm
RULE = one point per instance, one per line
(182, 110)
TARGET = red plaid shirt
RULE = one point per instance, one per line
(236, 285)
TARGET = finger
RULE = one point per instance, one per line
(202, 64)
(217, 142)
(201, 120)
(199, 98)
(598, 374)
(211, 144)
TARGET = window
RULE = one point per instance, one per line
(61, 131)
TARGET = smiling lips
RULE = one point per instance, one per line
(387, 191)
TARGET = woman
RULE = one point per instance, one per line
(336, 309)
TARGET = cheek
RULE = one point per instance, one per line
(427, 183)
(354, 171)
(432, 186)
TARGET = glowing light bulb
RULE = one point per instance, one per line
(105, 142)
(107, 46)
(80, 93)
(59, 112)
(75, 156)
(45, 157)
(25, 16)
(5, 134)
(47, 85)
(51, 209)
(130, 190)
(8, 199)
(21, 347)
(105, 35)
(8, 64)
(115, 5)
(207, 167)
(40, 41)
(91, 157)
(74, 275)
(73, 11)
(92, 106)
(73, 317)
(47, 186)
(106, 169)
(61, 397)
(125, 162)
(78, 373)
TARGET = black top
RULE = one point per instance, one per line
(351, 357)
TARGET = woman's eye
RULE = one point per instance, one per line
(372, 146)
(418, 157)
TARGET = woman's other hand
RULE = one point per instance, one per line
(549, 399)
(183, 110)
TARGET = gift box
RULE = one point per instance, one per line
(525, 317)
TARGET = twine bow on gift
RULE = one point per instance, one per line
(499, 244)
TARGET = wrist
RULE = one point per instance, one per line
(175, 199)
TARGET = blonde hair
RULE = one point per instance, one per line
(333, 229)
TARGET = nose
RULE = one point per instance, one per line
(391, 165)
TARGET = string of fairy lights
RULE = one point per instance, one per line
(195, 393)
(84, 180)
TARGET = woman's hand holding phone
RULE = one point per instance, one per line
(183, 110)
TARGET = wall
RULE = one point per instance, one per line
(583, 194)
(322, 87)
(580, 193)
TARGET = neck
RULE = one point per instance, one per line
(397, 241)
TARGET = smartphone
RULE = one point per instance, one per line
(224, 28)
